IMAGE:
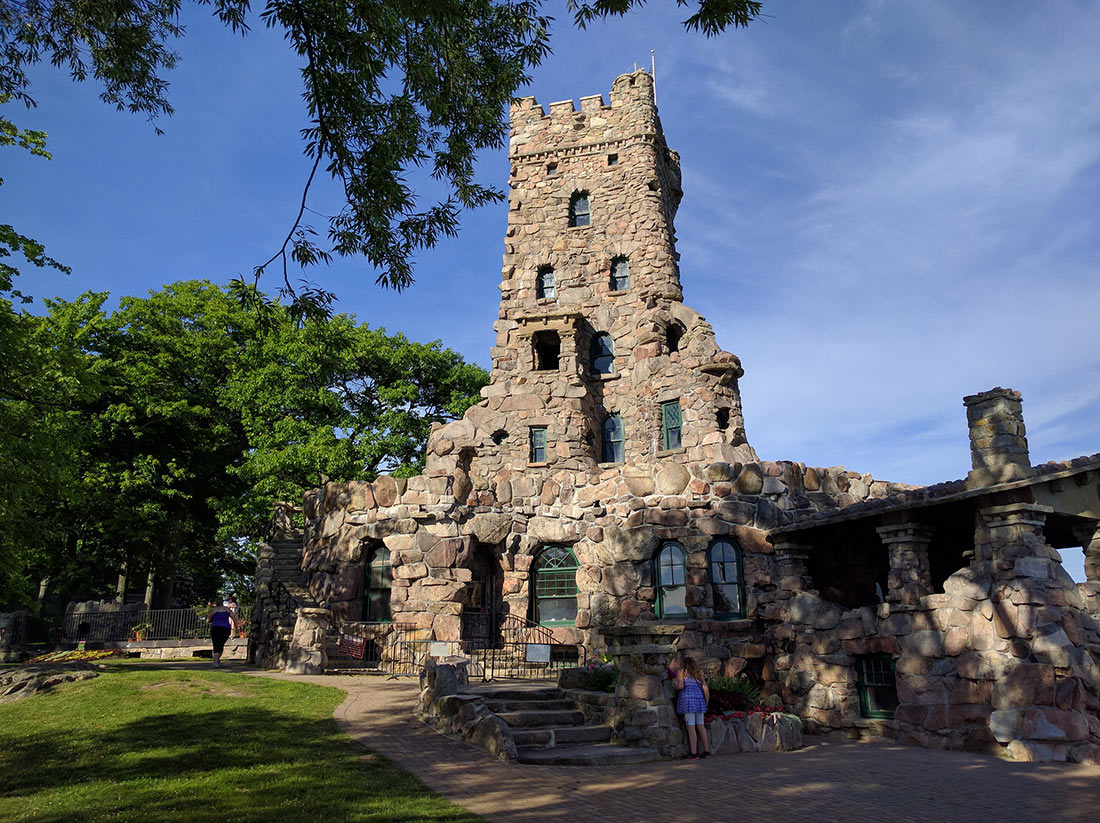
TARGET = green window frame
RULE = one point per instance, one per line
(580, 210)
(876, 683)
(727, 579)
(378, 583)
(671, 574)
(620, 274)
(555, 587)
(672, 425)
(538, 444)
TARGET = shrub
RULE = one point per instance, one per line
(602, 679)
(732, 694)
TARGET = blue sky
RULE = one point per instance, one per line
(887, 206)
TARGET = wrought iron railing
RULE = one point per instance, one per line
(283, 598)
(523, 650)
(117, 626)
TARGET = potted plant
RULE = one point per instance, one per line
(140, 630)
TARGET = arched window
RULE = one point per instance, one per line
(555, 586)
(376, 592)
(545, 285)
(602, 354)
(612, 451)
(673, 335)
(671, 589)
(580, 213)
(620, 274)
(726, 579)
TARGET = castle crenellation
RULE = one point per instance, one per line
(605, 490)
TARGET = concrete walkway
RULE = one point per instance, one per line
(826, 781)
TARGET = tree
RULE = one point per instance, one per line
(389, 85)
(158, 437)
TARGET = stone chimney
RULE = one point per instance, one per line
(998, 442)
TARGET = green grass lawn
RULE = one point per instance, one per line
(142, 744)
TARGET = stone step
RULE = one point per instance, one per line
(529, 719)
(505, 693)
(604, 754)
(555, 704)
(560, 736)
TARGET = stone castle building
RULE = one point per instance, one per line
(605, 489)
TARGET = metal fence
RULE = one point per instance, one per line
(119, 626)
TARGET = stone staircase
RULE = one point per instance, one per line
(278, 562)
(549, 730)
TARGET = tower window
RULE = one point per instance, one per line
(671, 425)
(551, 168)
(671, 588)
(538, 444)
(545, 285)
(612, 159)
(603, 354)
(547, 346)
(612, 451)
(673, 335)
(580, 212)
(726, 579)
(723, 418)
(620, 274)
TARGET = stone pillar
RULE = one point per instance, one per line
(12, 626)
(793, 573)
(998, 441)
(910, 571)
(1014, 535)
(1091, 544)
(644, 696)
(307, 647)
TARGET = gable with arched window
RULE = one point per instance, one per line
(671, 581)
(378, 580)
(555, 586)
(727, 579)
(602, 354)
(580, 211)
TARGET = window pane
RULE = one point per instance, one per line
(672, 441)
(620, 274)
(612, 439)
(727, 599)
(559, 608)
(538, 445)
(673, 601)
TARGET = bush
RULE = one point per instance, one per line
(602, 679)
(732, 694)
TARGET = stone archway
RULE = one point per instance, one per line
(483, 599)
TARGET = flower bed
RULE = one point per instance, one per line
(75, 656)
(760, 729)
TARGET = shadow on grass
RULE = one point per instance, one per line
(220, 758)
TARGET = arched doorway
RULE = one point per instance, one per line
(484, 598)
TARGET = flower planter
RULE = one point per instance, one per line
(754, 732)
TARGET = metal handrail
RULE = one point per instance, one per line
(284, 599)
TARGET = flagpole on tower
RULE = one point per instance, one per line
(653, 73)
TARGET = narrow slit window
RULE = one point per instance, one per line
(722, 416)
(620, 274)
(671, 583)
(673, 335)
(726, 580)
(603, 354)
(612, 451)
(538, 444)
(545, 284)
(671, 425)
(580, 211)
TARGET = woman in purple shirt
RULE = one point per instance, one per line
(221, 627)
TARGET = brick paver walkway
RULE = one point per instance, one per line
(826, 781)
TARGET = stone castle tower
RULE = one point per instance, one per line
(597, 360)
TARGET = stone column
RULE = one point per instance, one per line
(307, 647)
(790, 558)
(11, 635)
(1091, 544)
(910, 571)
(644, 695)
(1014, 535)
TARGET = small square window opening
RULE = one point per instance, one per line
(612, 159)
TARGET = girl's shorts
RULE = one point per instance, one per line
(693, 718)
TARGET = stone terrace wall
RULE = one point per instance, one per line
(614, 520)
